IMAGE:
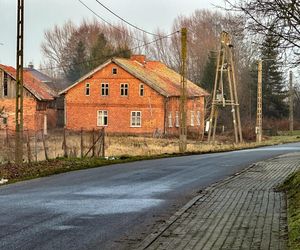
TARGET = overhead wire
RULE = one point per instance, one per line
(114, 54)
(108, 23)
(125, 21)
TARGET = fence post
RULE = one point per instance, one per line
(93, 145)
(28, 147)
(103, 142)
(7, 137)
(45, 148)
(35, 147)
(64, 146)
(81, 143)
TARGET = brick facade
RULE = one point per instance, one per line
(81, 109)
(38, 100)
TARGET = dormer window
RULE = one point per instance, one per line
(114, 71)
(87, 89)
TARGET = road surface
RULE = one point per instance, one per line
(112, 207)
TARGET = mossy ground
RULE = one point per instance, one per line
(292, 188)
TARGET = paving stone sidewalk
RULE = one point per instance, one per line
(241, 212)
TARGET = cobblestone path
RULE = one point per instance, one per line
(241, 212)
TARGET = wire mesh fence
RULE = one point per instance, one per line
(38, 146)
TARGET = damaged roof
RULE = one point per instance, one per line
(32, 83)
(157, 75)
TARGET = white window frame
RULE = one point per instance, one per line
(198, 118)
(125, 88)
(134, 119)
(170, 120)
(142, 89)
(192, 118)
(101, 114)
(104, 89)
(177, 119)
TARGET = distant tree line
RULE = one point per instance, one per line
(72, 50)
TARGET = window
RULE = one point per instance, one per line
(177, 119)
(192, 118)
(5, 84)
(114, 71)
(141, 89)
(170, 120)
(124, 89)
(87, 89)
(198, 118)
(136, 119)
(4, 120)
(104, 89)
(102, 118)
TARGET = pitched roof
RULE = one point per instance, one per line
(157, 75)
(32, 83)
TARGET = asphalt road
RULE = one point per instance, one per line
(112, 207)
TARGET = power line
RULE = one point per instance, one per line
(102, 19)
(132, 25)
(114, 54)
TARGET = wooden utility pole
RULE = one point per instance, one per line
(291, 94)
(19, 83)
(225, 75)
(259, 104)
(183, 125)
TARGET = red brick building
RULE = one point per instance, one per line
(132, 96)
(39, 111)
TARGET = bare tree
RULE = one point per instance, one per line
(279, 17)
(60, 43)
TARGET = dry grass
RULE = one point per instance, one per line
(124, 145)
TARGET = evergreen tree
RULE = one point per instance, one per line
(274, 93)
(209, 74)
(100, 52)
(79, 66)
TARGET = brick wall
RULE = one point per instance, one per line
(81, 110)
(33, 119)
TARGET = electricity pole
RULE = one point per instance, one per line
(259, 104)
(291, 109)
(19, 83)
(183, 125)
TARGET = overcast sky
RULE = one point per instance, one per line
(41, 15)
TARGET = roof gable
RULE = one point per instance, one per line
(157, 75)
(36, 87)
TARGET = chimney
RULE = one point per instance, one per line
(139, 58)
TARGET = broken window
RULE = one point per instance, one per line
(177, 119)
(170, 120)
(192, 118)
(102, 118)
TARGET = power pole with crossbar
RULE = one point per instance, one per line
(291, 94)
(183, 125)
(259, 104)
(19, 83)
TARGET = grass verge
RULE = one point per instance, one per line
(15, 173)
(292, 188)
